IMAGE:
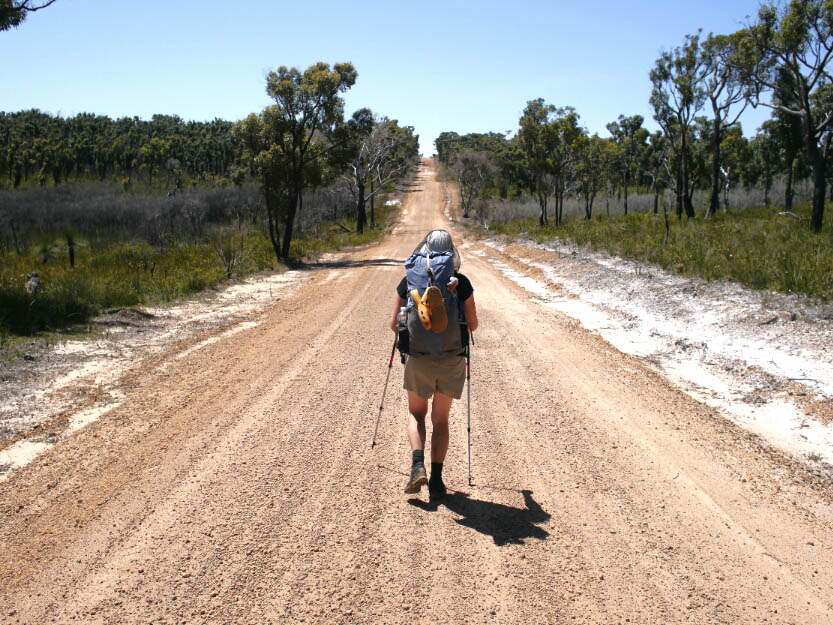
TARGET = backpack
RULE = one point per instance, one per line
(422, 271)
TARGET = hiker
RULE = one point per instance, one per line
(436, 363)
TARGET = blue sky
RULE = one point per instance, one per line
(453, 65)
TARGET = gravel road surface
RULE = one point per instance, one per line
(238, 484)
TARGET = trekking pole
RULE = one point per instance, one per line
(382, 403)
(468, 387)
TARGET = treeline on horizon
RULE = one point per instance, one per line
(302, 142)
(37, 148)
(118, 212)
(699, 90)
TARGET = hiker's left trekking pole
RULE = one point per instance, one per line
(382, 403)
(468, 386)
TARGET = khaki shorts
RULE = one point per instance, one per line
(425, 375)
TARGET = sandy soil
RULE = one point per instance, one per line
(237, 484)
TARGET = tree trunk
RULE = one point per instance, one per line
(292, 208)
(689, 206)
(817, 163)
(372, 211)
(687, 190)
(819, 184)
(767, 186)
(361, 217)
(625, 187)
(271, 217)
(656, 197)
(678, 192)
(788, 191)
(714, 198)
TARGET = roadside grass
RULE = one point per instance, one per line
(124, 274)
(754, 246)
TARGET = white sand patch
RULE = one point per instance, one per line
(716, 341)
(20, 454)
(67, 374)
(216, 339)
(85, 417)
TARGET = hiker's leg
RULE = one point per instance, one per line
(418, 408)
(440, 408)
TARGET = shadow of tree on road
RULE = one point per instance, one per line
(349, 264)
(505, 524)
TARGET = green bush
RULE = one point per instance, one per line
(128, 274)
(755, 247)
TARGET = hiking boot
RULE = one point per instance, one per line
(418, 478)
(436, 490)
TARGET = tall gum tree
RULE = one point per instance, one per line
(629, 136)
(677, 96)
(725, 91)
(537, 140)
(374, 152)
(795, 40)
(289, 139)
(567, 136)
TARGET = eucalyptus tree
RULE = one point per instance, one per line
(537, 141)
(725, 89)
(787, 131)
(734, 156)
(444, 144)
(630, 137)
(289, 139)
(568, 134)
(376, 152)
(14, 12)
(548, 137)
(474, 172)
(677, 96)
(590, 168)
(154, 153)
(796, 41)
(699, 155)
(654, 164)
(767, 158)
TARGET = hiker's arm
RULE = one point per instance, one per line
(394, 322)
(471, 312)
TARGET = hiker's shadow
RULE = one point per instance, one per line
(505, 524)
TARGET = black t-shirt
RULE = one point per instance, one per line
(464, 287)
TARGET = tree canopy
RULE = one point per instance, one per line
(14, 12)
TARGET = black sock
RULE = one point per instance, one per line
(436, 472)
(418, 457)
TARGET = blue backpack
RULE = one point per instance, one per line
(424, 270)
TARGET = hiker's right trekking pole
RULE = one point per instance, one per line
(468, 387)
(382, 403)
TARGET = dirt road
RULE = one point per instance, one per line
(238, 485)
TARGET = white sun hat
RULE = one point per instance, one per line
(439, 241)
